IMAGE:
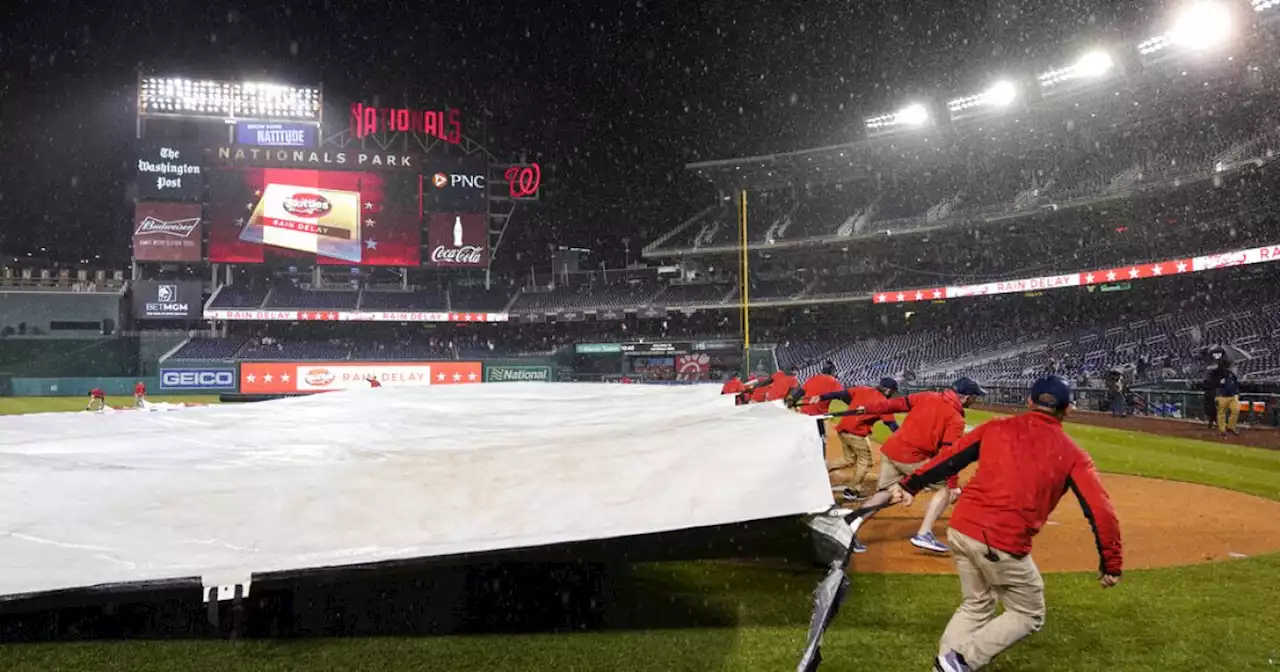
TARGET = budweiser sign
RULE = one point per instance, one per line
(181, 228)
(467, 255)
(166, 231)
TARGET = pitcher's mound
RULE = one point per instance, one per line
(1163, 523)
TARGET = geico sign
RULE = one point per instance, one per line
(205, 379)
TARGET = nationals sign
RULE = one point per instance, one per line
(445, 124)
(307, 377)
(458, 240)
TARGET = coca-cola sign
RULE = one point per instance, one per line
(458, 240)
(167, 231)
(467, 255)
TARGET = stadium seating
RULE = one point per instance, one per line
(209, 348)
(231, 297)
(420, 300)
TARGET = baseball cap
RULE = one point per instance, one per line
(1051, 392)
(888, 383)
(967, 387)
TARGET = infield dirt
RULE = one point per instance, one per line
(1163, 523)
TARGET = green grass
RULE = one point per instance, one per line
(735, 616)
(20, 405)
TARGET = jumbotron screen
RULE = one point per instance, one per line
(261, 215)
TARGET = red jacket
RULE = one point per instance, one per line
(860, 425)
(733, 386)
(935, 420)
(819, 385)
(1025, 465)
(781, 385)
(139, 389)
(97, 393)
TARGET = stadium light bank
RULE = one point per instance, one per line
(177, 96)
(997, 97)
(913, 116)
(1199, 27)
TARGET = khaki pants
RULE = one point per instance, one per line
(857, 454)
(1228, 413)
(893, 471)
(975, 631)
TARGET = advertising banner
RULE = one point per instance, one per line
(167, 299)
(570, 316)
(166, 231)
(307, 377)
(455, 184)
(267, 134)
(258, 315)
(458, 240)
(331, 217)
(169, 172)
(692, 367)
(656, 348)
(597, 348)
(517, 374)
(198, 379)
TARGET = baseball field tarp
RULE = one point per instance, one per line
(367, 475)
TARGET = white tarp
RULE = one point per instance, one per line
(222, 492)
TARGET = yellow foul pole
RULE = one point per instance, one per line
(744, 292)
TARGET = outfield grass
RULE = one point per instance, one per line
(19, 405)
(732, 616)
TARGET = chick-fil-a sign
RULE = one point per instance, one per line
(445, 124)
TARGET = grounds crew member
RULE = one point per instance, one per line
(935, 421)
(1025, 464)
(1227, 398)
(854, 432)
(733, 386)
(817, 385)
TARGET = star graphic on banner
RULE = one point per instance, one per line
(440, 376)
(902, 297)
(919, 296)
(1182, 267)
(937, 294)
(284, 377)
(239, 222)
(1133, 273)
(368, 222)
(1157, 270)
(371, 244)
(1111, 276)
(266, 378)
(368, 205)
(305, 316)
(248, 206)
(471, 377)
(1088, 279)
(457, 377)
(257, 192)
(333, 316)
(881, 298)
(251, 378)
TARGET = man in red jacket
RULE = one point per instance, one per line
(1026, 463)
(733, 386)
(817, 385)
(854, 432)
(935, 421)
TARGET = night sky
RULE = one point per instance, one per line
(612, 98)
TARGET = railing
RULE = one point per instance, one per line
(1149, 402)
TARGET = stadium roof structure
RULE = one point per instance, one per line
(835, 163)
